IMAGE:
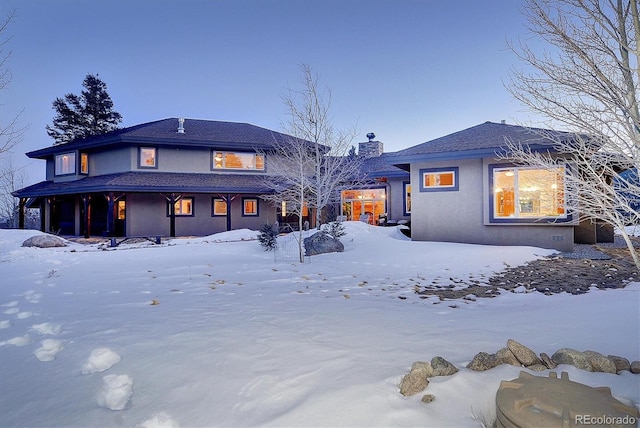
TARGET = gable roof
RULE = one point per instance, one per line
(197, 133)
(481, 140)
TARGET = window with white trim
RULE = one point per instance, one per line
(219, 207)
(65, 163)
(250, 206)
(525, 193)
(148, 157)
(183, 207)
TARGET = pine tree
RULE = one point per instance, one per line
(85, 115)
(268, 237)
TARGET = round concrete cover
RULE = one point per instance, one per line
(532, 401)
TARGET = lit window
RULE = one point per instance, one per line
(439, 179)
(65, 164)
(122, 209)
(84, 163)
(148, 157)
(249, 206)
(235, 160)
(528, 193)
(219, 207)
(407, 198)
(184, 207)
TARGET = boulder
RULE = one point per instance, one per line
(507, 357)
(416, 380)
(537, 367)
(44, 241)
(442, 367)
(321, 243)
(572, 357)
(600, 363)
(483, 361)
(621, 363)
(547, 361)
(525, 355)
(428, 398)
(635, 367)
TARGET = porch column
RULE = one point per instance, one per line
(228, 200)
(86, 215)
(111, 222)
(21, 212)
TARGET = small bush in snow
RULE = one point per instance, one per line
(268, 237)
(335, 229)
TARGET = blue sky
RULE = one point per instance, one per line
(407, 70)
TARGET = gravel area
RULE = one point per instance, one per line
(605, 265)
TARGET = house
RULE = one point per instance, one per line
(383, 194)
(169, 177)
(464, 192)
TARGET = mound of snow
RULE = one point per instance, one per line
(100, 360)
(116, 392)
(48, 350)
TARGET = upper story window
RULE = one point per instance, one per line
(526, 193)
(84, 163)
(238, 160)
(65, 163)
(148, 157)
(439, 179)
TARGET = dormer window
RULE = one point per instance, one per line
(65, 164)
(238, 161)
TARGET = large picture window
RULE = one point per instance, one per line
(439, 179)
(238, 160)
(65, 164)
(525, 193)
(364, 204)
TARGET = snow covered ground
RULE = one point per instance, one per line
(213, 332)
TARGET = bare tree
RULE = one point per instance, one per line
(589, 83)
(11, 179)
(310, 120)
(10, 133)
(308, 169)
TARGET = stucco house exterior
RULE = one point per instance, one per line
(464, 192)
(171, 177)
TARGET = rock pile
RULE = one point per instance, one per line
(514, 354)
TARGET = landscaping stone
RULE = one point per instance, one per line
(600, 363)
(321, 243)
(525, 355)
(483, 361)
(428, 398)
(635, 367)
(442, 367)
(44, 241)
(415, 381)
(547, 361)
(507, 357)
(572, 357)
(537, 367)
(621, 363)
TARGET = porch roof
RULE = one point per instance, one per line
(149, 182)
